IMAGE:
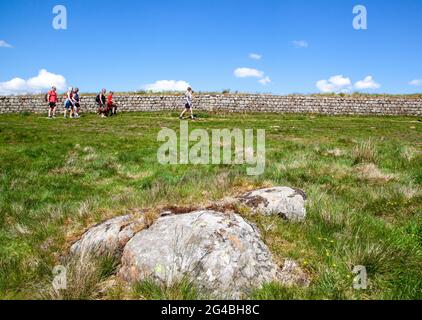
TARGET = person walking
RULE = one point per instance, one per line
(68, 103)
(52, 102)
(188, 104)
(76, 103)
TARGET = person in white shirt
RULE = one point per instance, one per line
(189, 103)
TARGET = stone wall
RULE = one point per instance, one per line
(331, 105)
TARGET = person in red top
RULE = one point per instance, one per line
(52, 102)
(111, 107)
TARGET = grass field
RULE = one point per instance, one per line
(363, 177)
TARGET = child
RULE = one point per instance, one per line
(189, 103)
(52, 102)
(111, 107)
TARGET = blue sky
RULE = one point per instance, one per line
(125, 45)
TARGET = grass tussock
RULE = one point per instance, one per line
(151, 290)
(371, 172)
(83, 278)
(365, 152)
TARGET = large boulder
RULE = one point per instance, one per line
(283, 201)
(108, 238)
(222, 254)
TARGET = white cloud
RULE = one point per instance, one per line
(255, 56)
(334, 84)
(367, 84)
(416, 82)
(4, 44)
(248, 73)
(43, 81)
(265, 81)
(167, 85)
(300, 43)
(341, 84)
(252, 73)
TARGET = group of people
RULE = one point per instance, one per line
(71, 102)
(72, 105)
(106, 105)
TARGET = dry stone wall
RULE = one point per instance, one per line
(330, 105)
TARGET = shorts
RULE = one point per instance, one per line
(68, 104)
(188, 106)
(77, 105)
(52, 105)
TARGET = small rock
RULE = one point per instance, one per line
(284, 201)
(291, 274)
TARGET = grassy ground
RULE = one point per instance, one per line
(363, 176)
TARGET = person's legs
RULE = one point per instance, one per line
(102, 111)
(76, 110)
(67, 108)
(52, 110)
(182, 114)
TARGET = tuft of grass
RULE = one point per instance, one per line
(149, 289)
(83, 278)
(275, 291)
(365, 152)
